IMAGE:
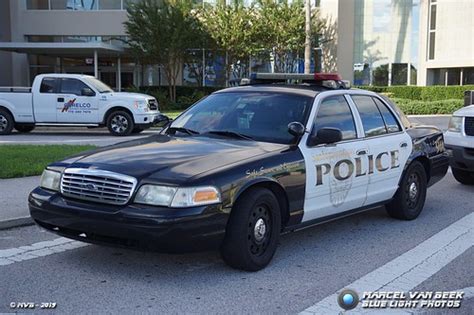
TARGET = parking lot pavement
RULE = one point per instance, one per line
(440, 121)
(309, 266)
(84, 136)
(14, 200)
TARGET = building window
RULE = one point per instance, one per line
(110, 4)
(432, 30)
(37, 4)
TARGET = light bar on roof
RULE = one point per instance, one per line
(329, 80)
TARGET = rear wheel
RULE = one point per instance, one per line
(6, 122)
(24, 128)
(410, 197)
(253, 230)
(464, 177)
(120, 123)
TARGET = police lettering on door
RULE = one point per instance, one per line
(346, 168)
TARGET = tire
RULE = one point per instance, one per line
(411, 195)
(253, 230)
(6, 122)
(120, 123)
(464, 177)
(24, 128)
(137, 130)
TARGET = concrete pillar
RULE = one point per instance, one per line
(409, 74)
(389, 74)
(446, 77)
(461, 76)
(96, 65)
(119, 75)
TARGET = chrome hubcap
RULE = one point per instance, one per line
(413, 191)
(3, 123)
(259, 230)
(119, 123)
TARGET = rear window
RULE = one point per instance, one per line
(48, 85)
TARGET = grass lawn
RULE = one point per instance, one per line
(29, 160)
(172, 114)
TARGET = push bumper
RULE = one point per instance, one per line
(138, 226)
(439, 167)
(461, 157)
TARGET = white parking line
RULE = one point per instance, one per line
(13, 255)
(411, 268)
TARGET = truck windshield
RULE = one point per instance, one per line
(250, 115)
(100, 86)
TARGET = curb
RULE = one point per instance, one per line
(12, 223)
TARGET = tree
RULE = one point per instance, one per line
(162, 32)
(231, 27)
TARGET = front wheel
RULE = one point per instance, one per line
(464, 177)
(253, 230)
(120, 123)
(6, 122)
(410, 197)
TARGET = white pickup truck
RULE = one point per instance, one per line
(459, 140)
(75, 100)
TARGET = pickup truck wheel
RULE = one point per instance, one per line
(24, 128)
(464, 177)
(120, 123)
(410, 197)
(253, 231)
(6, 122)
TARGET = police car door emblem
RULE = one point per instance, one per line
(340, 180)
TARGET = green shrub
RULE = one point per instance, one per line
(413, 107)
(424, 93)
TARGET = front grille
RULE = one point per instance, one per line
(469, 126)
(97, 185)
(152, 104)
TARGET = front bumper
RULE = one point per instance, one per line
(461, 157)
(146, 120)
(138, 226)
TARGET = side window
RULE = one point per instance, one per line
(370, 115)
(48, 85)
(72, 86)
(390, 121)
(334, 112)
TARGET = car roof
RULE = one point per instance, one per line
(65, 75)
(302, 89)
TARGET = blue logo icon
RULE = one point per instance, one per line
(348, 299)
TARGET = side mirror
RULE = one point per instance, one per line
(87, 92)
(296, 129)
(162, 120)
(325, 136)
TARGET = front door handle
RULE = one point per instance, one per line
(361, 152)
(60, 99)
(403, 145)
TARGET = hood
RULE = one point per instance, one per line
(128, 96)
(171, 159)
(465, 111)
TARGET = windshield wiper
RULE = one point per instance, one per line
(231, 134)
(184, 130)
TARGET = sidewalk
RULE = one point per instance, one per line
(14, 201)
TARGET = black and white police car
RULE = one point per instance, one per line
(242, 166)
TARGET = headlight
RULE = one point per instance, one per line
(141, 105)
(177, 197)
(50, 180)
(455, 124)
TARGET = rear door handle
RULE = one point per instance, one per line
(361, 152)
(403, 145)
(60, 99)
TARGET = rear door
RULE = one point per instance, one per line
(73, 106)
(389, 147)
(44, 101)
(336, 178)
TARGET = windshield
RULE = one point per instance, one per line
(98, 85)
(257, 115)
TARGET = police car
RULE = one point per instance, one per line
(244, 165)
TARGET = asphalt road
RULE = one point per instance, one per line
(309, 266)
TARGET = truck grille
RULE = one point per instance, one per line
(152, 104)
(469, 126)
(97, 185)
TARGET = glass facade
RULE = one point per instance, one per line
(78, 5)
